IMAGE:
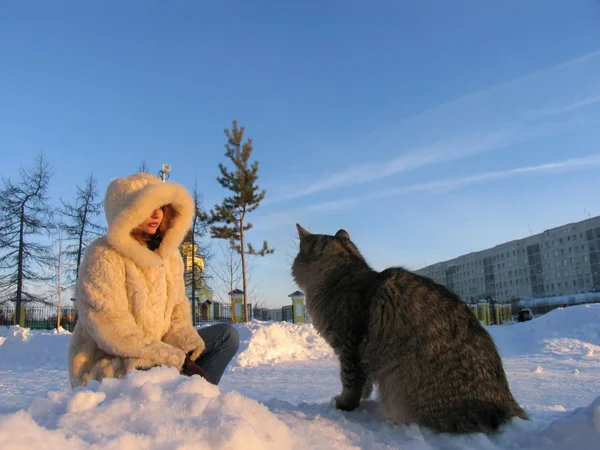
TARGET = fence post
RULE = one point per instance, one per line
(484, 312)
(237, 303)
(297, 306)
(474, 309)
(21, 318)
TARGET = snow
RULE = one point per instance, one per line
(277, 393)
(282, 341)
(569, 299)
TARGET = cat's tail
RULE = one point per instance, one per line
(519, 412)
(472, 416)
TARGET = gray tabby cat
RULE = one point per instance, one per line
(433, 362)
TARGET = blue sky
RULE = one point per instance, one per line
(426, 129)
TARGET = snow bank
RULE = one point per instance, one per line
(579, 429)
(153, 409)
(569, 299)
(15, 333)
(574, 331)
(160, 409)
(22, 348)
(275, 342)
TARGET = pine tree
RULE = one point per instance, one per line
(231, 215)
(81, 227)
(24, 216)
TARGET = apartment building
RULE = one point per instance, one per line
(560, 261)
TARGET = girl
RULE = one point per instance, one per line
(132, 308)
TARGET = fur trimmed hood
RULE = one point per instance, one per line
(130, 200)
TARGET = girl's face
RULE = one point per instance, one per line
(151, 223)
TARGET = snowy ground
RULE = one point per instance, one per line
(276, 395)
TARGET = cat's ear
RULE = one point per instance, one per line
(302, 233)
(342, 234)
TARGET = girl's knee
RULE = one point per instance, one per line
(229, 334)
(233, 336)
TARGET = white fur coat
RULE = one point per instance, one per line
(132, 308)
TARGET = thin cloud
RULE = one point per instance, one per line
(555, 167)
(435, 187)
(503, 133)
(460, 146)
(565, 109)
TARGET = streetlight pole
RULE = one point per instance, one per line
(59, 268)
(164, 172)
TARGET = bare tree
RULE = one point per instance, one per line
(227, 274)
(195, 253)
(144, 167)
(60, 267)
(80, 226)
(24, 216)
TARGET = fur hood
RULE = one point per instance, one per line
(129, 200)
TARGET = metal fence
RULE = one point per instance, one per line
(287, 313)
(45, 317)
(215, 312)
(39, 317)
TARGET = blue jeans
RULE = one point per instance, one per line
(222, 342)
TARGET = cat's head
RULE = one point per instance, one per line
(320, 254)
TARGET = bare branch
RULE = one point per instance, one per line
(80, 224)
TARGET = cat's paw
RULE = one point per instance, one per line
(340, 403)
